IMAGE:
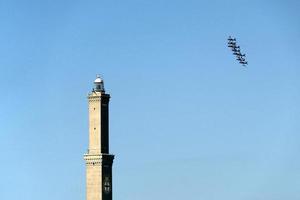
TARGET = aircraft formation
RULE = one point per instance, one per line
(237, 51)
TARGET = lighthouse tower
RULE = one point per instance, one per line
(98, 160)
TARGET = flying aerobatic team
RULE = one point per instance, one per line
(237, 51)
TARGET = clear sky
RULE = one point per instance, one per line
(186, 120)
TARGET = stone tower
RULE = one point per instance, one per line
(98, 160)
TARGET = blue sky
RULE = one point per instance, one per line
(186, 120)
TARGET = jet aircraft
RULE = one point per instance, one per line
(231, 39)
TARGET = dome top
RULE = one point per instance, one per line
(98, 79)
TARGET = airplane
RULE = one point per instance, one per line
(237, 53)
(239, 57)
(232, 43)
(231, 39)
(241, 60)
(235, 49)
(244, 63)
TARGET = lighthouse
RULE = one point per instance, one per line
(98, 159)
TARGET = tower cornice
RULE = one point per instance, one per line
(98, 159)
